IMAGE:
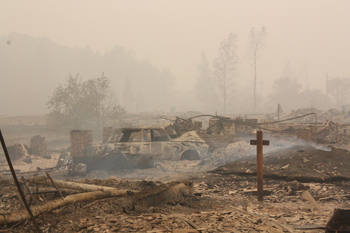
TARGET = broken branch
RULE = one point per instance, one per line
(82, 187)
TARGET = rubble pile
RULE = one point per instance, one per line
(331, 114)
(334, 115)
(18, 151)
(23, 156)
(304, 111)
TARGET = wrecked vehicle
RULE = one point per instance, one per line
(140, 147)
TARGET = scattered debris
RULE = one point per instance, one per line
(220, 201)
(64, 159)
(17, 151)
(77, 169)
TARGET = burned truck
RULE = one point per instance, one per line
(141, 147)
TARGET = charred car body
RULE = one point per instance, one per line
(140, 147)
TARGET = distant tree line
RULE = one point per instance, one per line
(216, 88)
(32, 67)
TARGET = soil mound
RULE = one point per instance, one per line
(301, 163)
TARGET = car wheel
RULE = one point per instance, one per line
(190, 155)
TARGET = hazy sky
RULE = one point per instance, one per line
(314, 36)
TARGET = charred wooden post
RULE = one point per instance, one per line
(259, 142)
(260, 165)
(54, 185)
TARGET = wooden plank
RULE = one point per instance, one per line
(311, 200)
(265, 142)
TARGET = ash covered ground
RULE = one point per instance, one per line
(224, 191)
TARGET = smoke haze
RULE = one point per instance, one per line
(154, 47)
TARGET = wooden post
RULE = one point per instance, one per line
(259, 142)
(259, 169)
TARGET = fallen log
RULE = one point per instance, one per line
(79, 186)
(151, 197)
(52, 205)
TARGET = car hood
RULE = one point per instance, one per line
(191, 136)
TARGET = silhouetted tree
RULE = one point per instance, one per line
(77, 103)
(225, 67)
(256, 44)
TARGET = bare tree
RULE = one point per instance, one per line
(225, 67)
(256, 44)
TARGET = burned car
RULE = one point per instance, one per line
(140, 147)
